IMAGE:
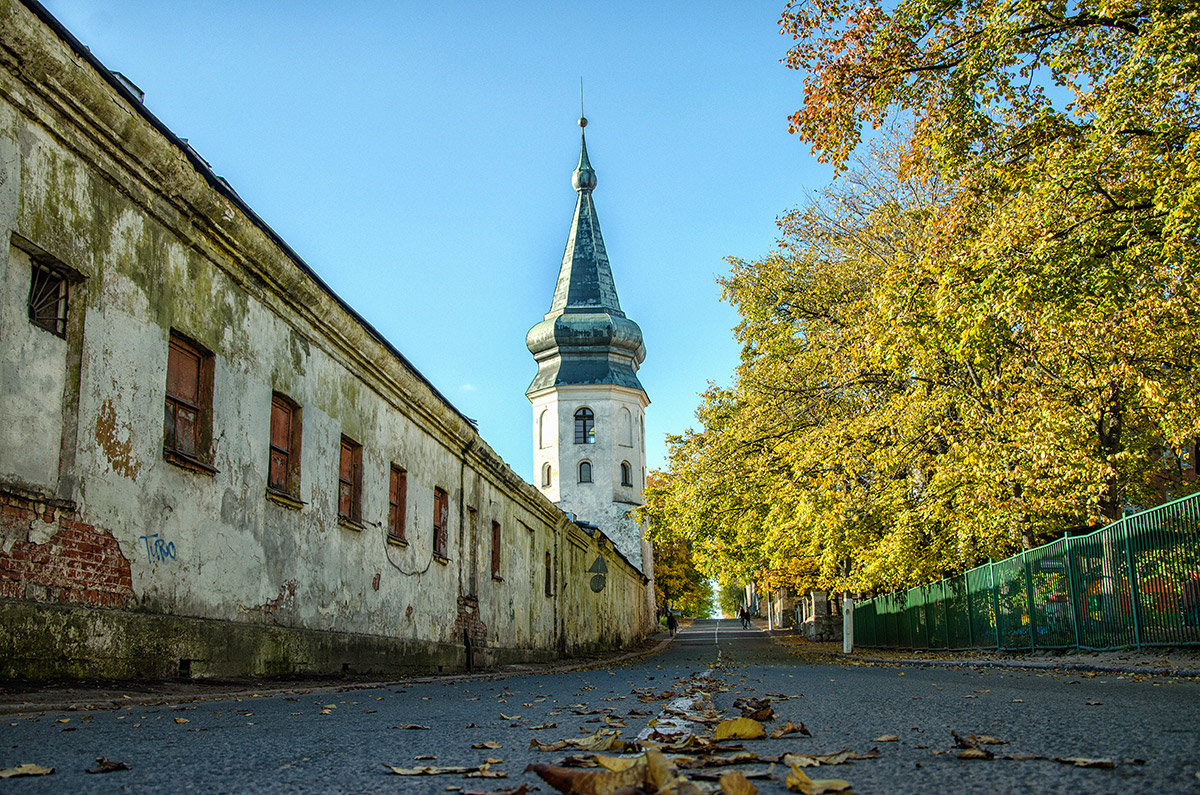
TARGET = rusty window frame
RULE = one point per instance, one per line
(585, 426)
(187, 418)
(283, 465)
(350, 481)
(441, 517)
(397, 502)
(47, 301)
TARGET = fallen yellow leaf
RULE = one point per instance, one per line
(797, 781)
(739, 729)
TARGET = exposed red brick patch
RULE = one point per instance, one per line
(79, 564)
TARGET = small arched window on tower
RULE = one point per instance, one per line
(625, 427)
(626, 474)
(546, 476)
(585, 472)
(544, 431)
(585, 427)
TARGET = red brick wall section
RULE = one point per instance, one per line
(468, 623)
(78, 565)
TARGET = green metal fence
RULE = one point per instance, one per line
(1135, 582)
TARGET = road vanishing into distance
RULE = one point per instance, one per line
(326, 740)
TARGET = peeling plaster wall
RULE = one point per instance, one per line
(87, 180)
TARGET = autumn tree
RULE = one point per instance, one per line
(1069, 135)
(678, 581)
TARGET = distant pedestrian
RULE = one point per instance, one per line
(672, 623)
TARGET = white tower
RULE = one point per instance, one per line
(589, 441)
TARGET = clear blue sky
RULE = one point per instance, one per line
(418, 156)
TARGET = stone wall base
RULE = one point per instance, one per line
(42, 642)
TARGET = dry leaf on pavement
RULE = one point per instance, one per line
(21, 771)
(797, 781)
(590, 782)
(790, 728)
(428, 770)
(736, 783)
(886, 738)
(840, 758)
(490, 744)
(975, 753)
(1080, 761)
(739, 729)
(413, 726)
(485, 771)
(105, 765)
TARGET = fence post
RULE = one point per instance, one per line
(1133, 589)
(847, 624)
(1029, 599)
(970, 612)
(995, 600)
(946, 605)
(1074, 588)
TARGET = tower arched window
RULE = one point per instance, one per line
(585, 472)
(625, 427)
(626, 474)
(585, 427)
(544, 430)
(546, 476)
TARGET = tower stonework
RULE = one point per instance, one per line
(589, 441)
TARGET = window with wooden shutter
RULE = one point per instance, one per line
(283, 475)
(187, 421)
(350, 481)
(441, 518)
(397, 497)
(496, 549)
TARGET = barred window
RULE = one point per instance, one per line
(48, 299)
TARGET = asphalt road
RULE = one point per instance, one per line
(328, 741)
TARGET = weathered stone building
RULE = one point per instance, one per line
(211, 465)
(589, 432)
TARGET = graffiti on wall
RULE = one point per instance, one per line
(158, 550)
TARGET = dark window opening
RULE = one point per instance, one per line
(283, 473)
(350, 481)
(585, 427)
(626, 474)
(585, 472)
(187, 422)
(549, 577)
(441, 518)
(48, 299)
(495, 549)
(397, 498)
(546, 475)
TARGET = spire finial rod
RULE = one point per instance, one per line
(582, 118)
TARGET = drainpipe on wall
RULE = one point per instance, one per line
(462, 509)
